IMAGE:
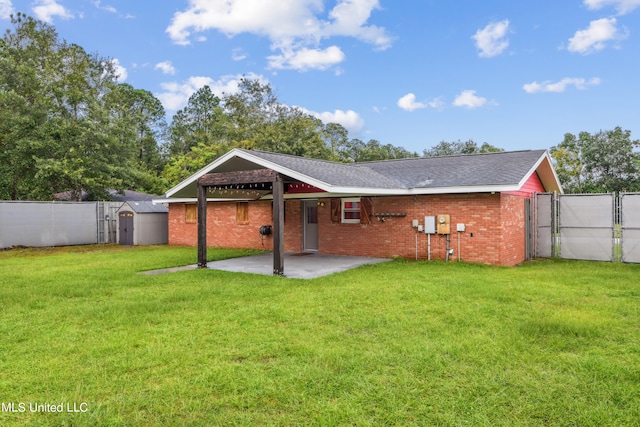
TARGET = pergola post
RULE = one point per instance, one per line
(202, 225)
(278, 226)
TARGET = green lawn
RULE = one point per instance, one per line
(549, 343)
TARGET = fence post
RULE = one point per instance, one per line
(555, 231)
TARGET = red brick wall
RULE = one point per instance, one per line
(222, 228)
(494, 228)
(395, 237)
(224, 232)
(513, 229)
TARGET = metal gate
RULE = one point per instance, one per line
(544, 225)
(599, 227)
(630, 227)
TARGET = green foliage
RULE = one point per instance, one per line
(359, 151)
(65, 123)
(445, 148)
(606, 161)
(253, 118)
(402, 343)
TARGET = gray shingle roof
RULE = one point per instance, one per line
(462, 173)
(333, 173)
(502, 168)
(146, 207)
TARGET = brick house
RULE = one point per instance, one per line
(473, 205)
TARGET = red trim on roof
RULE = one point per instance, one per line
(299, 188)
(533, 185)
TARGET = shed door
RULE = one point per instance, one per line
(125, 224)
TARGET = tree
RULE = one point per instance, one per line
(25, 61)
(66, 125)
(359, 151)
(253, 118)
(202, 120)
(198, 134)
(606, 161)
(336, 138)
(261, 122)
(138, 119)
(445, 148)
(250, 118)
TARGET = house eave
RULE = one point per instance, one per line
(356, 191)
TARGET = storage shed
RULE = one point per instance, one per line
(143, 223)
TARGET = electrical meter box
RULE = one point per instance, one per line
(430, 225)
(444, 224)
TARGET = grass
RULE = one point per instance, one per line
(402, 343)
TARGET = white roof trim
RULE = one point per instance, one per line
(254, 159)
(535, 167)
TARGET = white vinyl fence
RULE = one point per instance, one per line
(57, 223)
(586, 226)
(630, 235)
(598, 227)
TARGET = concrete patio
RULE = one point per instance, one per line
(296, 265)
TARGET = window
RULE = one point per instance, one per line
(190, 214)
(242, 212)
(351, 210)
(354, 210)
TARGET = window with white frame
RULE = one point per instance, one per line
(351, 210)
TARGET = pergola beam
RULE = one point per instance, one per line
(254, 176)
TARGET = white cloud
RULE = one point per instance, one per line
(175, 95)
(108, 8)
(351, 120)
(238, 54)
(6, 9)
(595, 38)
(295, 27)
(409, 103)
(166, 67)
(468, 99)
(306, 59)
(45, 10)
(622, 6)
(491, 40)
(121, 72)
(558, 87)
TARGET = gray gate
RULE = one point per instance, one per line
(544, 220)
(630, 214)
(586, 226)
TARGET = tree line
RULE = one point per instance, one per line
(67, 125)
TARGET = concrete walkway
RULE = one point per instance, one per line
(296, 265)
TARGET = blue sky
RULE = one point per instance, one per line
(516, 74)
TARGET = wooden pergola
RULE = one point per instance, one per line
(244, 180)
